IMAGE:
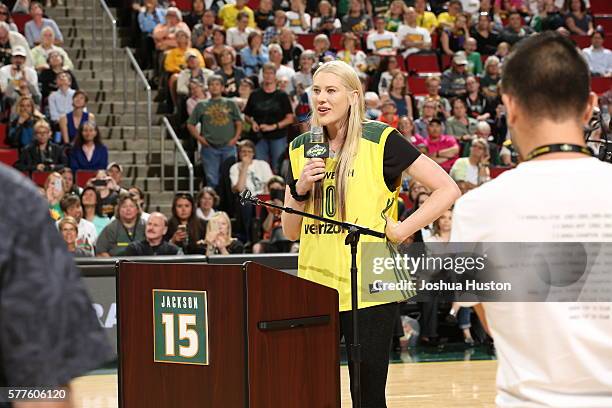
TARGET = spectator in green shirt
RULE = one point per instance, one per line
(216, 124)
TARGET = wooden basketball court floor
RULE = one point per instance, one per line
(459, 384)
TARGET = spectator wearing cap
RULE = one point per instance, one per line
(33, 28)
(10, 39)
(380, 41)
(413, 39)
(425, 18)
(255, 54)
(453, 79)
(164, 34)
(598, 57)
(115, 171)
(453, 38)
(229, 14)
(41, 154)
(443, 149)
(60, 101)
(447, 18)
(238, 36)
(17, 79)
(273, 32)
(154, 243)
(70, 122)
(40, 53)
(220, 129)
(88, 152)
(515, 31)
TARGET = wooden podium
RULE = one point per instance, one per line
(225, 336)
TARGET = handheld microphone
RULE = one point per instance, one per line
(246, 197)
(316, 147)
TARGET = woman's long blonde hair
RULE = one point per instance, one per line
(212, 227)
(354, 128)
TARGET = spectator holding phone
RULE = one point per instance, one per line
(54, 191)
(185, 229)
(274, 241)
(17, 79)
(106, 189)
(92, 210)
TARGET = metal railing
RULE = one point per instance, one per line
(129, 57)
(165, 130)
(113, 22)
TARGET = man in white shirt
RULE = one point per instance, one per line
(549, 354)
(380, 41)
(598, 57)
(86, 240)
(237, 36)
(412, 37)
(17, 79)
(14, 39)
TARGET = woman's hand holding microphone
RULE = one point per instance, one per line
(313, 171)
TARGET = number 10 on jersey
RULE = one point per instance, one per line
(180, 325)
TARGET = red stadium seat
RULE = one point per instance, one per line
(605, 22)
(3, 135)
(82, 176)
(423, 63)
(39, 177)
(253, 4)
(417, 86)
(496, 171)
(20, 21)
(336, 42)
(582, 41)
(9, 156)
(601, 6)
(183, 5)
(435, 38)
(401, 62)
(601, 85)
(264, 198)
(446, 61)
(306, 41)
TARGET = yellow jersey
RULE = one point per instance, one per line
(323, 256)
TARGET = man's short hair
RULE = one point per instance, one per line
(216, 78)
(69, 201)
(548, 77)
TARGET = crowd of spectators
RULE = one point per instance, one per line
(235, 83)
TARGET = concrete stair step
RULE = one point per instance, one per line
(117, 108)
(129, 133)
(140, 156)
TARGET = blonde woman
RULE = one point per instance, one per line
(219, 239)
(367, 161)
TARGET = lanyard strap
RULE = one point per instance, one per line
(559, 147)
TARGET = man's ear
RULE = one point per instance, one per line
(511, 109)
(592, 103)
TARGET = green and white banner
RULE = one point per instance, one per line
(180, 325)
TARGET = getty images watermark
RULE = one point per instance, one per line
(534, 272)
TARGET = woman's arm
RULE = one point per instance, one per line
(444, 42)
(63, 125)
(444, 193)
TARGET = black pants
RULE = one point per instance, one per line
(376, 327)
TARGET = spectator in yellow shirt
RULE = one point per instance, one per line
(447, 18)
(425, 19)
(176, 58)
(229, 14)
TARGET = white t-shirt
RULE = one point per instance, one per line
(236, 38)
(294, 22)
(382, 43)
(258, 174)
(550, 354)
(416, 34)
